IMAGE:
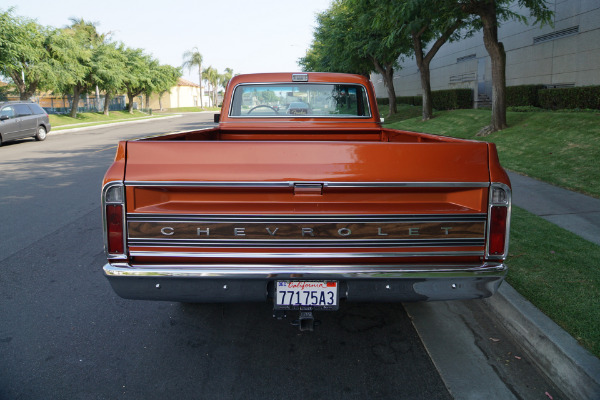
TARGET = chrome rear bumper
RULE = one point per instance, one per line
(214, 283)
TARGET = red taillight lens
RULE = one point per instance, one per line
(497, 237)
(114, 224)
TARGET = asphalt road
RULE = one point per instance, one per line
(65, 335)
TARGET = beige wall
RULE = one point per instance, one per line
(178, 96)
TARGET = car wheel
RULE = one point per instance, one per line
(0, 139)
(41, 133)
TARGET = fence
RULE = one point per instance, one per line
(62, 105)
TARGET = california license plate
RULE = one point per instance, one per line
(292, 295)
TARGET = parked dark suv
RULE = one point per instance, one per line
(21, 119)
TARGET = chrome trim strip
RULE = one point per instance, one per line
(105, 188)
(290, 184)
(269, 255)
(341, 218)
(306, 244)
(278, 271)
(229, 112)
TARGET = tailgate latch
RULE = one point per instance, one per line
(308, 188)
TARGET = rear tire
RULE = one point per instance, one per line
(41, 133)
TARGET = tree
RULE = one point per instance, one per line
(137, 78)
(23, 54)
(350, 37)
(109, 70)
(424, 21)
(226, 77)
(71, 50)
(193, 58)
(332, 49)
(165, 78)
(490, 14)
(211, 75)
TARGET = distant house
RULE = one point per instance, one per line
(185, 94)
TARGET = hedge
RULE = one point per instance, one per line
(441, 99)
(584, 97)
(523, 95)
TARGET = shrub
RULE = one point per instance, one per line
(523, 95)
(524, 109)
(584, 97)
(452, 99)
(383, 101)
(441, 99)
(412, 100)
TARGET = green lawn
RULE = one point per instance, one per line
(562, 148)
(556, 270)
(559, 272)
(60, 120)
(188, 109)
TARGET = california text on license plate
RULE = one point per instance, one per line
(291, 295)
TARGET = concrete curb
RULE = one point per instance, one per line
(572, 368)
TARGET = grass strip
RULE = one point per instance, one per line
(559, 273)
(188, 109)
(57, 120)
(561, 148)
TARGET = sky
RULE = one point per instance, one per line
(245, 35)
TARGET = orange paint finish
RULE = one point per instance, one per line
(116, 172)
(330, 176)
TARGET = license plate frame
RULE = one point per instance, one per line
(316, 295)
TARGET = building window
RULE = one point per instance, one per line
(465, 58)
(556, 35)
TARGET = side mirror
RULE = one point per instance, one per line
(216, 118)
(3, 117)
(382, 120)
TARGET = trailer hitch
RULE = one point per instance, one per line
(306, 321)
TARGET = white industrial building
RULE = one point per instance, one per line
(564, 55)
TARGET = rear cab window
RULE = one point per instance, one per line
(300, 100)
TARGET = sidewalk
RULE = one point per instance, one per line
(572, 211)
(557, 353)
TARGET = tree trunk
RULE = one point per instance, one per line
(75, 103)
(106, 103)
(425, 75)
(424, 61)
(498, 56)
(387, 71)
(200, 77)
(130, 97)
(25, 91)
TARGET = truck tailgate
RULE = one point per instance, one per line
(316, 201)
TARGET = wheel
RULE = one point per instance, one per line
(41, 133)
(263, 105)
(0, 139)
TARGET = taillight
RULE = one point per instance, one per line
(113, 201)
(498, 221)
(114, 228)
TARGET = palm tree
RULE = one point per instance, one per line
(212, 76)
(193, 58)
(226, 77)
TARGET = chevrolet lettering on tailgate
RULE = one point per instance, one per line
(304, 200)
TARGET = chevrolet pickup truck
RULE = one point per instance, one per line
(301, 197)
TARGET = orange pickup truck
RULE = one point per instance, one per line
(300, 197)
